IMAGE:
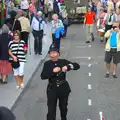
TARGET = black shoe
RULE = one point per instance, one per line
(4, 82)
(40, 53)
(87, 41)
(114, 76)
(107, 75)
(0, 80)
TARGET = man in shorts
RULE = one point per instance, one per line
(112, 50)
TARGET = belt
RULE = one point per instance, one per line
(37, 30)
(58, 83)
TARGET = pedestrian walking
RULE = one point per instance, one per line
(37, 26)
(118, 5)
(66, 24)
(100, 26)
(89, 23)
(57, 31)
(25, 28)
(109, 19)
(5, 66)
(92, 5)
(56, 7)
(112, 50)
(17, 58)
(24, 5)
(58, 88)
(110, 5)
(13, 23)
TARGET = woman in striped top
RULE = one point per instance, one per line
(17, 46)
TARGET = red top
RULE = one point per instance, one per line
(90, 18)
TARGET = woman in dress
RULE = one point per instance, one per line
(5, 66)
(17, 53)
(100, 26)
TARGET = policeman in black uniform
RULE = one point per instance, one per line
(58, 88)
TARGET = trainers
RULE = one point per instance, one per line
(107, 75)
(114, 76)
(17, 87)
(22, 85)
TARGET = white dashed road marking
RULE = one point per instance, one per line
(89, 87)
(89, 58)
(89, 74)
(83, 46)
(89, 46)
(81, 57)
(89, 102)
(89, 65)
(88, 119)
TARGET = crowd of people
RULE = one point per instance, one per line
(22, 17)
(105, 15)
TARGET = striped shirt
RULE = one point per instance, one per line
(18, 46)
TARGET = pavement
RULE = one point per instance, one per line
(91, 91)
(9, 93)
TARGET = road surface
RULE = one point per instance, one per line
(91, 91)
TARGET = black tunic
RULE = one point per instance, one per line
(55, 78)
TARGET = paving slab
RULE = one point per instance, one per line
(9, 93)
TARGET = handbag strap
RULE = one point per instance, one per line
(18, 48)
(13, 25)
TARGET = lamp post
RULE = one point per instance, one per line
(2, 12)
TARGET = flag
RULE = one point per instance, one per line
(103, 117)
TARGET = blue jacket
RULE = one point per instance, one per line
(59, 32)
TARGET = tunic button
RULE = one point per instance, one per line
(57, 85)
(57, 80)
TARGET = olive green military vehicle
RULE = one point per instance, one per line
(76, 10)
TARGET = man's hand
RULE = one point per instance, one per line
(56, 69)
(64, 69)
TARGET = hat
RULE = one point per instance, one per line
(53, 49)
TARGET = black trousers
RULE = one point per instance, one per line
(53, 97)
(38, 35)
(24, 36)
(56, 42)
(65, 27)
